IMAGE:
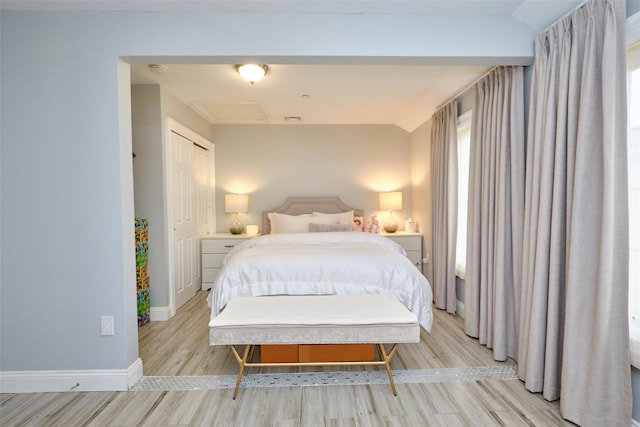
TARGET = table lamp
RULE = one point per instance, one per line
(236, 203)
(390, 201)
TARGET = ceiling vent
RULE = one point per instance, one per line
(292, 118)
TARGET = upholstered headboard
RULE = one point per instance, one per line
(306, 205)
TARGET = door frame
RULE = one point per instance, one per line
(172, 125)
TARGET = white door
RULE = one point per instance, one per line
(183, 204)
(202, 185)
(202, 175)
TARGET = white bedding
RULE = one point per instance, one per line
(319, 264)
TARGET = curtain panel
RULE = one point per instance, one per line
(444, 203)
(574, 336)
(495, 211)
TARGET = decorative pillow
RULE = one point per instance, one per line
(337, 217)
(283, 223)
(358, 223)
(314, 227)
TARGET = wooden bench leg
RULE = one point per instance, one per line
(242, 363)
(387, 364)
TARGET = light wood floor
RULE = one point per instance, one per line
(180, 347)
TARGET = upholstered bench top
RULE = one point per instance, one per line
(314, 319)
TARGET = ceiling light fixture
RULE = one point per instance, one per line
(158, 68)
(252, 72)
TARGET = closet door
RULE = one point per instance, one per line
(202, 185)
(185, 235)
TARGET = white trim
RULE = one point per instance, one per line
(168, 214)
(127, 230)
(160, 314)
(633, 29)
(459, 309)
(72, 380)
(134, 373)
(635, 423)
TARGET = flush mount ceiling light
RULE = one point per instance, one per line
(158, 68)
(252, 72)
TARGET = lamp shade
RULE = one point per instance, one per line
(390, 201)
(234, 203)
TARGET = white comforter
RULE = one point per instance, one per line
(322, 263)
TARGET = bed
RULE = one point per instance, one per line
(292, 261)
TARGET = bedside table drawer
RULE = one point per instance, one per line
(213, 250)
(219, 245)
(212, 260)
(209, 275)
(410, 243)
(416, 258)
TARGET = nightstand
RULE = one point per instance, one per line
(412, 243)
(214, 248)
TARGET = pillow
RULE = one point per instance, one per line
(283, 223)
(358, 223)
(314, 227)
(342, 217)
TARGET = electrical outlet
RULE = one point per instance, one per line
(106, 325)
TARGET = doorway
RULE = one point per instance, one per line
(189, 190)
(189, 172)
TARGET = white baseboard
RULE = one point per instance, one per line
(72, 380)
(134, 372)
(635, 423)
(460, 309)
(160, 314)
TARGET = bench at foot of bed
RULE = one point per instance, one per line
(379, 319)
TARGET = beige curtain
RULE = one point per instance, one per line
(444, 205)
(574, 339)
(495, 211)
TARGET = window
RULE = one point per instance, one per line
(633, 152)
(464, 137)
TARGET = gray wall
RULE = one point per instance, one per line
(147, 135)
